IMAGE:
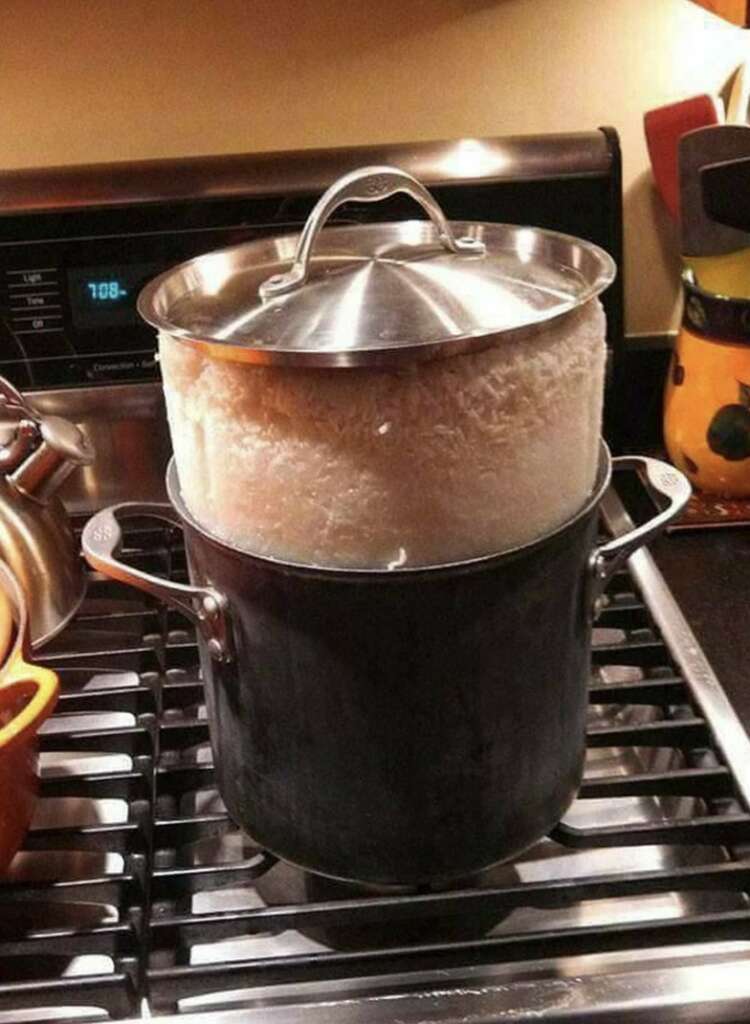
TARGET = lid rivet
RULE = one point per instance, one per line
(215, 649)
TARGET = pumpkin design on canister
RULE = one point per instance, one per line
(707, 398)
(729, 430)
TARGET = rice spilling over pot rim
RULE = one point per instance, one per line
(381, 468)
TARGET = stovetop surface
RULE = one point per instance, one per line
(709, 573)
(136, 895)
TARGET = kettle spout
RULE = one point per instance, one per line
(25, 438)
(63, 447)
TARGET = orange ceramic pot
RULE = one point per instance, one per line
(707, 399)
(27, 696)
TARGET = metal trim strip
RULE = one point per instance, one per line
(307, 171)
(703, 993)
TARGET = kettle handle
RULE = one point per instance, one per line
(661, 480)
(366, 185)
(12, 398)
(26, 429)
(205, 607)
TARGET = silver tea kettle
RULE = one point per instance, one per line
(36, 538)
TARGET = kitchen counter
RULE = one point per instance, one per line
(708, 572)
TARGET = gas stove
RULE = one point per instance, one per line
(135, 896)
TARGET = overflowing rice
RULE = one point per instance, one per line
(439, 462)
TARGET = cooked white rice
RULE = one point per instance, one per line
(439, 462)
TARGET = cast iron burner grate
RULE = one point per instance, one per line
(135, 894)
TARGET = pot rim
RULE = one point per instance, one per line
(402, 573)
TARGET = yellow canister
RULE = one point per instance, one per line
(707, 398)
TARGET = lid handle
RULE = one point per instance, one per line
(367, 185)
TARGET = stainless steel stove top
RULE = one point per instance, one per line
(136, 897)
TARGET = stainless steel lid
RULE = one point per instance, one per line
(375, 294)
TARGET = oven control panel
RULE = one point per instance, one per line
(74, 325)
(68, 304)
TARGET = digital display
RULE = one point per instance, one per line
(106, 291)
(105, 296)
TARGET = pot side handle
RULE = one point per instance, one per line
(662, 480)
(205, 607)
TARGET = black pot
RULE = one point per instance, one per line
(398, 727)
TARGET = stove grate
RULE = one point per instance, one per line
(134, 884)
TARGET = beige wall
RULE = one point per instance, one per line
(88, 80)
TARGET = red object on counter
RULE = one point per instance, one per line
(664, 127)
